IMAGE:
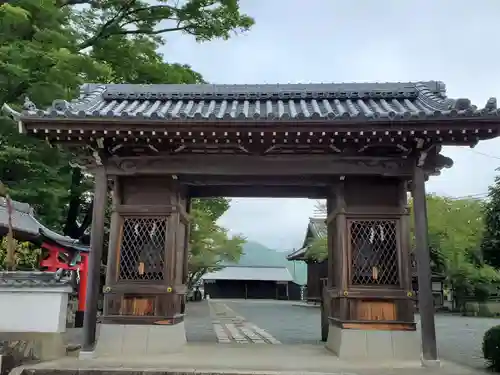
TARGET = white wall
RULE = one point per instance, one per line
(33, 309)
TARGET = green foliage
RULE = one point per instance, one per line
(214, 207)
(318, 249)
(34, 172)
(210, 245)
(455, 234)
(490, 246)
(455, 230)
(49, 48)
(491, 347)
(26, 255)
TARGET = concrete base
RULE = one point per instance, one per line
(22, 347)
(125, 340)
(381, 345)
(42, 346)
(430, 363)
(237, 359)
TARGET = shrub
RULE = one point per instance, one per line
(491, 347)
(26, 255)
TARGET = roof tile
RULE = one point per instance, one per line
(15, 279)
(344, 101)
(25, 225)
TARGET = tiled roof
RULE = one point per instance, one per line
(344, 101)
(26, 226)
(297, 254)
(250, 273)
(318, 227)
(31, 280)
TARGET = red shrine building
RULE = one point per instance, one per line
(58, 252)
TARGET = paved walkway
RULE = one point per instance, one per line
(459, 338)
(230, 327)
(242, 359)
(286, 324)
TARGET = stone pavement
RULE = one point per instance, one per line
(284, 320)
(240, 321)
(230, 327)
(198, 320)
(239, 359)
(459, 338)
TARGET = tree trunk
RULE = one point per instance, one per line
(71, 227)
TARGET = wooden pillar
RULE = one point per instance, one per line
(425, 299)
(185, 278)
(94, 269)
(405, 269)
(341, 249)
(114, 238)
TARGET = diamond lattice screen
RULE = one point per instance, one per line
(374, 252)
(142, 251)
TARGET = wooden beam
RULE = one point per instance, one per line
(257, 191)
(114, 241)
(94, 271)
(251, 165)
(487, 128)
(195, 180)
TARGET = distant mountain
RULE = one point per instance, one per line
(256, 254)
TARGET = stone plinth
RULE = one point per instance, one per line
(125, 340)
(353, 344)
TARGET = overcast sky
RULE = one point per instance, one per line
(300, 41)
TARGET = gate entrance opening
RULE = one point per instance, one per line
(360, 146)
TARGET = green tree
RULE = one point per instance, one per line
(455, 231)
(455, 234)
(490, 246)
(38, 61)
(210, 244)
(49, 48)
(318, 249)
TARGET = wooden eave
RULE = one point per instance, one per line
(113, 124)
(264, 137)
(297, 254)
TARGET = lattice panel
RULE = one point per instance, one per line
(374, 252)
(142, 251)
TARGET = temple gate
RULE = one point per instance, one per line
(361, 146)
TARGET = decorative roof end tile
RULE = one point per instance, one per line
(462, 104)
(491, 104)
(29, 105)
